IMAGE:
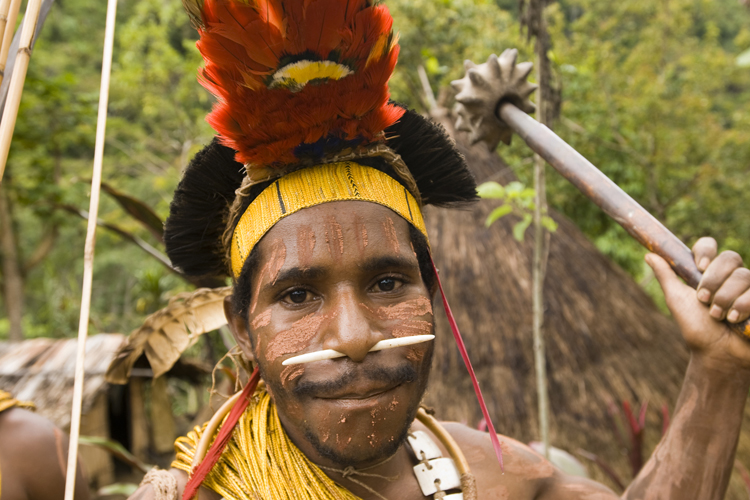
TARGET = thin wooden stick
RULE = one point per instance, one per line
(4, 8)
(541, 246)
(88, 256)
(7, 32)
(10, 112)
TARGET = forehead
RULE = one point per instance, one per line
(336, 226)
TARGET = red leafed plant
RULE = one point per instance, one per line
(628, 430)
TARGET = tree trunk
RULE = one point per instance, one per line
(13, 278)
(537, 26)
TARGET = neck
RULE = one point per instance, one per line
(376, 482)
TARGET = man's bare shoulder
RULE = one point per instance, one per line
(34, 455)
(525, 474)
(20, 419)
(27, 436)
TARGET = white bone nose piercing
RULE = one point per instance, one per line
(331, 354)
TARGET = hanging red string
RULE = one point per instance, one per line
(217, 448)
(465, 355)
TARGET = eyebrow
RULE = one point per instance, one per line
(311, 273)
(378, 263)
(296, 274)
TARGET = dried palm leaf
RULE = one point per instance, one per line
(167, 333)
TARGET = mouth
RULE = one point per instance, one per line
(361, 393)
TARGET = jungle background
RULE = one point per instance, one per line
(655, 93)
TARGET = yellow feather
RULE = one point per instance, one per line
(378, 49)
(296, 75)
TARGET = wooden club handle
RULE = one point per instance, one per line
(607, 195)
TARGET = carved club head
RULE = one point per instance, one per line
(482, 90)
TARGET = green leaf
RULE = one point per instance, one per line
(549, 224)
(138, 210)
(117, 450)
(514, 187)
(743, 60)
(125, 489)
(519, 230)
(491, 190)
(500, 211)
(529, 193)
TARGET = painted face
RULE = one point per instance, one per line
(341, 276)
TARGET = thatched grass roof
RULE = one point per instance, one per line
(42, 370)
(606, 340)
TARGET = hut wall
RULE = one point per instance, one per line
(138, 419)
(96, 462)
(162, 421)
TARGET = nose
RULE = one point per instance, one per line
(350, 331)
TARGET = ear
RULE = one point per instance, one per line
(238, 326)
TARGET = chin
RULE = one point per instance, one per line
(362, 432)
(361, 445)
(357, 432)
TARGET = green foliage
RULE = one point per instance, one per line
(517, 199)
(124, 489)
(156, 123)
(117, 450)
(656, 94)
(440, 35)
(653, 96)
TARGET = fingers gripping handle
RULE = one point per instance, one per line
(608, 196)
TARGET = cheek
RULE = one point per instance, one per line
(261, 320)
(289, 374)
(413, 354)
(294, 339)
(413, 317)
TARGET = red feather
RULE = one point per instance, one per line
(244, 42)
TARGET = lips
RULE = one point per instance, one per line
(356, 383)
(360, 391)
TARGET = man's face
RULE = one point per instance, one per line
(340, 276)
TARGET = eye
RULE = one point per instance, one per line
(298, 296)
(388, 284)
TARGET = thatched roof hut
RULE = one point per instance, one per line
(42, 371)
(606, 340)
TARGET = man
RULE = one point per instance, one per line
(311, 201)
(32, 455)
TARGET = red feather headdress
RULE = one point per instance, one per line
(296, 79)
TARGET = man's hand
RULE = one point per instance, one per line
(723, 293)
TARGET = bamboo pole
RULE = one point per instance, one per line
(10, 112)
(4, 9)
(14, 6)
(88, 256)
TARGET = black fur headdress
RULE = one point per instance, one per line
(200, 209)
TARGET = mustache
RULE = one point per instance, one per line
(402, 374)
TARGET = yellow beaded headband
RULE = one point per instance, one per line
(313, 186)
